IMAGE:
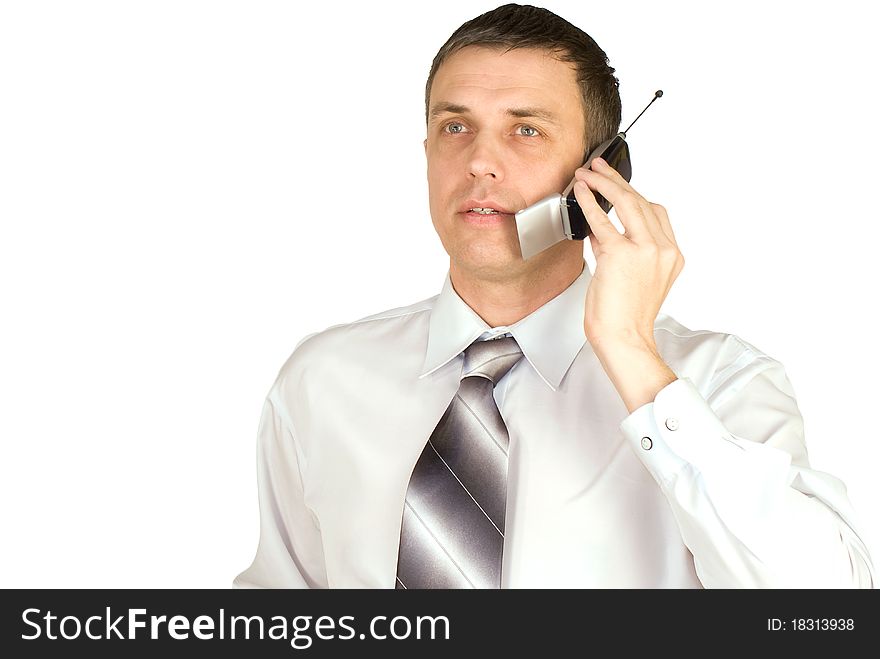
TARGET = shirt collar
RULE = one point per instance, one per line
(550, 337)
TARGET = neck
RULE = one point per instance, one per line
(504, 301)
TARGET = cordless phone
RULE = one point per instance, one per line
(559, 216)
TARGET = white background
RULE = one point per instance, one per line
(189, 188)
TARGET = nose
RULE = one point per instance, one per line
(484, 161)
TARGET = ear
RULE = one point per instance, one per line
(425, 143)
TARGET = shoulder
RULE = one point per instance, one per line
(708, 357)
(371, 342)
(672, 332)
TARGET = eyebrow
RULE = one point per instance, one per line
(520, 113)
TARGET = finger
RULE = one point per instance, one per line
(601, 165)
(600, 226)
(632, 209)
(652, 221)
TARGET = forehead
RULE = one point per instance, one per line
(523, 75)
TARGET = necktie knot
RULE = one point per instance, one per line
(491, 359)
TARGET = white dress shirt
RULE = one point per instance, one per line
(707, 486)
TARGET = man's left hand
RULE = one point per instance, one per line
(634, 270)
(634, 273)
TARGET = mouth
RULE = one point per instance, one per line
(484, 213)
(485, 217)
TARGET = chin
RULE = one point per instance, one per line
(490, 266)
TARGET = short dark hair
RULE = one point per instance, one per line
(524, 26)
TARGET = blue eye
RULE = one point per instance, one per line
(534, 133)
(451, 128)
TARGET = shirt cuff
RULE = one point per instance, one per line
(679, 430)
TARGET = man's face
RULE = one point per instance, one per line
(504, 131)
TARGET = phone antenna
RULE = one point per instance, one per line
(657, 94)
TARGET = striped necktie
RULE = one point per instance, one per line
(452, 534)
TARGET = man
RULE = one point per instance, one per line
(590, 441)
